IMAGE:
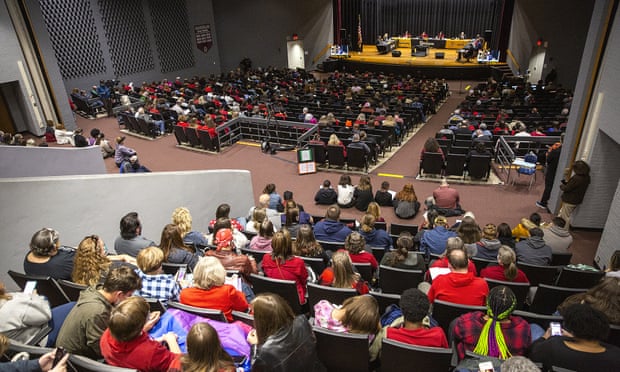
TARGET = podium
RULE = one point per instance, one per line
(305, 161)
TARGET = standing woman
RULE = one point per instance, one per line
(281, 341)
(363, 193)
(574, 189)
(281, 264)
(406, 204)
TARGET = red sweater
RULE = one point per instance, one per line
(465, 289)
(141, 353)
(497, 273)
(291, 269)
(364, 257)
(224, 297)
(431, 337)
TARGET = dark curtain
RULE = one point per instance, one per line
(394, 17)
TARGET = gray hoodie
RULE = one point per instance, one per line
(533, 251)
(487, 248)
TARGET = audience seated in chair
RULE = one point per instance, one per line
(460, 285)
(155, 283)
(359, 314)
(497, 333)
(284, 342)
(330, 229)
(210, 291)
(342, 275)
(131, 241)
(47, 257)
(281, 264)
(534, 250)
(413, 327)
(86, 322)
(126, 344)
(23, 314)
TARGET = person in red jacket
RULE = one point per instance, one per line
(355, 244)
(459, 286)
(281, 264)
(126, 344)
(209, 290)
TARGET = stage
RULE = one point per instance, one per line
(428, 66)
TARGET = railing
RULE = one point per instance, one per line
(508, 148)
(280, 132)
(513, 59)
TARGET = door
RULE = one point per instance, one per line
(295, 52)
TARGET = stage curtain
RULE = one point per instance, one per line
(394, 17)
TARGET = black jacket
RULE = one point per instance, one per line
(326, 196)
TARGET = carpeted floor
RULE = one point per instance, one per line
(491, 202)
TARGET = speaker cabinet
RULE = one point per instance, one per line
(440, 55)
(396, 53)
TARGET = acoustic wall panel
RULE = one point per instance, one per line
(127, 36)
(73, 35)
(172, 34)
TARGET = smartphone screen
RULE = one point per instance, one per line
(30, 286)
(486, 367)
(60, 353)
(556, 329)
(181, 273)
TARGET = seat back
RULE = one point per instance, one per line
(16, 347)
(84, 364)
(287, 289)
(481, 263)
(72, 290)
(378, 252)
(365, 270)
(538, 274)
(258, 255)
(335, 156)
(243, 317)
(561, 259)
(432, 163)
(205, 313)
(316, 264)
(337, 296)
(614, 335)
(156, 305)
(205, 140)
(548, 297)
(381, 225)
(397, 228)
(344, 352)
(520, 290)
(479, 166)
(385, 299)
(575, 278)
(192, 137)
(445, 312)
(455, 165)
(395, 355)
(331, 246)
(172, 268)
(357, 158)
(46, 286)
(320, 156)
(396, 281)
(542, 320)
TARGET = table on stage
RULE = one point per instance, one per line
(441, 43)
(403, 42)
(386, 46)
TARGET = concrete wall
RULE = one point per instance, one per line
(561, 23)
(20, 161)
(11, 79)
(77, 206)
(259, 30)
(198, 12)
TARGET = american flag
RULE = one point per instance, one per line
(359, 33)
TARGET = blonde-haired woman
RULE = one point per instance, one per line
(91, 262)
(183, 219)
(209, 291)
(375, 209)
(507, 270)
(341, 274)
(335, 141)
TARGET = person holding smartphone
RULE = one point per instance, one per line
(54, 361)
(581, 346)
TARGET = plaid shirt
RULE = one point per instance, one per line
(467, 328)
(161, 286)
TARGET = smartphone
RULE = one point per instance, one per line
(486, 367)
(60, 353)
(181, 273)
(30, 286)
(556, 329)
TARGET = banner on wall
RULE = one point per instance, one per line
(204, 39)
